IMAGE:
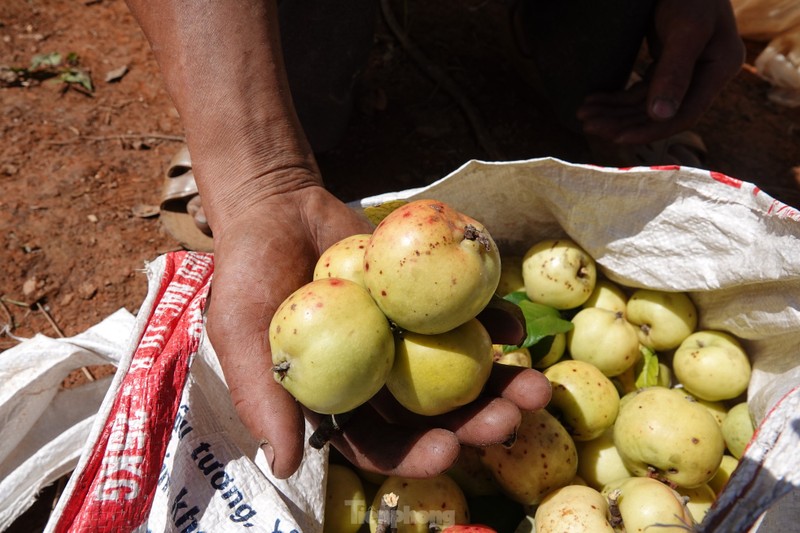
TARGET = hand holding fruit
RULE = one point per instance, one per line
(383, 436)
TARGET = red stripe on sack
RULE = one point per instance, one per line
(116, 488)
(727, 180)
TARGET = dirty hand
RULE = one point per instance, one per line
(264, 253)
(696, 51)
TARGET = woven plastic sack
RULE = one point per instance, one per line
(167, 453)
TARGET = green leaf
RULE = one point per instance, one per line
(517, 297)
(648, 373)
(52, 59)
(77, 77)
(542, 321)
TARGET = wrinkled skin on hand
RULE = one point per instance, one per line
(261, 257)
(696, 51)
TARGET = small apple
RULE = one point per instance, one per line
(698, 500)
(332, 348)
(584, 400)
(604, 339)
(431, 268)
(345, 503)
(510, 275)
(518, 357)
(545, 354)
(558, 273)
(608, 295)
(599, 462)
(664, 433)
(422, 503)
(543, 458)
(344, 259)
(724, 473)
(738, 429)
(664, 319)
(712, 365)
(434, 374)
(645, 504)
(573, 509)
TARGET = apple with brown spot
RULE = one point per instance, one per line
(431, 268)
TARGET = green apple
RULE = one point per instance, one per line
(518, 357)
(422, 503)
(599, 462)
(608, 295)
(665, 434)
(698, 500)
(431, 268)
(664, 319)
(434, 374)
(738, 429)
(712, 365)
(604, 339)
(584, 400)
(510, 275)
(558, 273)
(332, 347)
(555, 350)
(645, 504)
(344, 259)
(724, 473)
(543, 458)
(474, 477)
(345, 503)
(574, 509)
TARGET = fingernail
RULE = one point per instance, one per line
(664, 108)
(269, 453)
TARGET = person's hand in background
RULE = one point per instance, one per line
(696, 51)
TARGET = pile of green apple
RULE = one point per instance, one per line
(648, 416)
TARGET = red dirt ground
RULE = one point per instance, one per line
(77, 169)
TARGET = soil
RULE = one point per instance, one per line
(80, 170)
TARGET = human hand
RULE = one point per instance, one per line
(261, 257)
(696, 51)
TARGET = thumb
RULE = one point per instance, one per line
(672, 75)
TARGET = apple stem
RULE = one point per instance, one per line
(328, 427)
(281, 369)
(471, 233)
(615, 517)
(387, 514)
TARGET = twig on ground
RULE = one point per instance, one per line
(440, 77)
(11, 324)
(49, 318)
(121, 136)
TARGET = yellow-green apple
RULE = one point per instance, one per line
(738, 429)
(543, 458)
(712, 365)
(584, 400)
(558, 273)
(604, 339)
(345, 502)
(434, 374)
(574, 508)
(608, 295)
(344, 259)
(664, 319)
(430, 267)
(665, 434)
(646, 504)
(332, 347)
(422, 503)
